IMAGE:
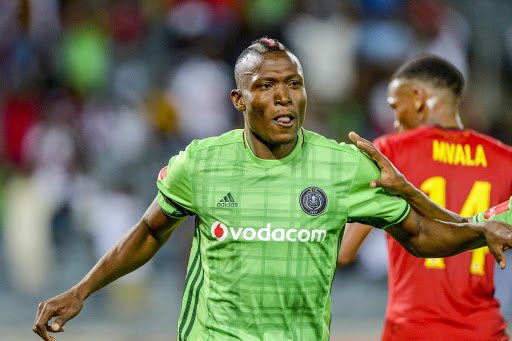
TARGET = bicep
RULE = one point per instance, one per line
(159, 224)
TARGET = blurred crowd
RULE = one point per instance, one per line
(96, 96)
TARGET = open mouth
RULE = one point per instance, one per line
(284, 121)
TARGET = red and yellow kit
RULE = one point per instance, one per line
(447, 298)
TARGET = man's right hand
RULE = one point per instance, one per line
(391, 179)
(64, 306)
(395, 183)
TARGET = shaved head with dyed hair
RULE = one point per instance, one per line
(256, 49)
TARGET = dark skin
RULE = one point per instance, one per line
(135, 248)
(272, 97)
(418, 103)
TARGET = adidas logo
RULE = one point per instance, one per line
(227, 201)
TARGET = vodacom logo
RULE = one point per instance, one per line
(220, 231)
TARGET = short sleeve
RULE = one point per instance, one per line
(174, 187)
(373, 206)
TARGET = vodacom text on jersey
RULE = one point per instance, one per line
(220, 231)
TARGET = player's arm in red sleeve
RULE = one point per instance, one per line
(395, 183)
(136, 247)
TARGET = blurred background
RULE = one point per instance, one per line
(96, 96)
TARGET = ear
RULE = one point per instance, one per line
(238, 100)
(419, 97)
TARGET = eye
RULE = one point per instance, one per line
(265, 86)
(295, 83)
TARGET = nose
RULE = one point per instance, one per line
(282, 95)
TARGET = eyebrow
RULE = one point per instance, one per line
(295, 75)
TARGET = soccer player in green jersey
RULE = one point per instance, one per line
(270, 204)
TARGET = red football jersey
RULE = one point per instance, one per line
(447, 298)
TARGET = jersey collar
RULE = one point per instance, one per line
(271, 163)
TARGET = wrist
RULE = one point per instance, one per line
(81, 291)
(479, 227)
(408, 190)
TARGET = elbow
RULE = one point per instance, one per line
(345, 260)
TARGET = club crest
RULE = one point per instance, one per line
(313, 200)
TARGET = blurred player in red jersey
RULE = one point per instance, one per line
(459, 169)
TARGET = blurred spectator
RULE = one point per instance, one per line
(20, 113)
(324, 29)
(201, 87)
(440, 30)
(83, 59)
(50, 148)
(106, 229)
(327, 29)
(26, 226)
(382, 46)
(268, 15)
(115, 137)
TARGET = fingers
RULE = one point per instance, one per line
(360, 142)
(45, 312)
(377, 183)
(58, 324)
(369, 148)
(502, 262)
(499, 256)
(50, 329)
(40, 327)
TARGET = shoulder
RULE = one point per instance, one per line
(318, 141)
(397, 138)
(230, 138)
(488, 140)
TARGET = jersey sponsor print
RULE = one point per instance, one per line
(220, 231)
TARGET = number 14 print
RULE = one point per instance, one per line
(476, 202)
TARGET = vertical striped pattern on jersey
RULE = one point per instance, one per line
(193, 284)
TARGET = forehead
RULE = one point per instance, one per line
(271, 64)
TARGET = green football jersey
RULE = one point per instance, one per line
(501, 212)
(267, 233)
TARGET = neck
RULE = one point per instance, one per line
(266, 150)
(442, 110)
(445, 117)
(452, 121)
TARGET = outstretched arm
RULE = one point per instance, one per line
(395, 183)
(136, 247)
(424, 237)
